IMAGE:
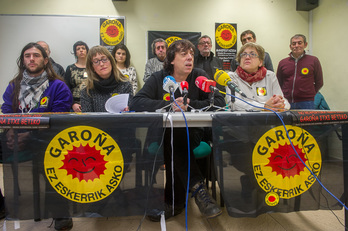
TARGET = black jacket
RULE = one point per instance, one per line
(152, 96)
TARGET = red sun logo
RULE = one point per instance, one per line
(112, 31)
(84, 162)
(226, 35)
(285, 162)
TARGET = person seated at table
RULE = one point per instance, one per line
(122, 57)
(104, 81)
(37, 88)
(262, 89)
(179, 64)
(259, 84)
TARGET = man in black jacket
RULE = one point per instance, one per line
(179, 64)
(205, 59)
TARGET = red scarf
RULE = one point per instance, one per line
(253, 77)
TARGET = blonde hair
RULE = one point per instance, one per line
(92, 75)
(259, 49)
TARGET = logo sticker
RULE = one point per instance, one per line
(261, 91)
(83, 164)
(111, 32)
(226, 35)
(166, 97)
(304, 71)
(278, 169)
(44, 102)
(272, 199)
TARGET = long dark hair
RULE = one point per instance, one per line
(122, 47)
(16, 81)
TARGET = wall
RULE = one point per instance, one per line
(329, 28)
(273, 21)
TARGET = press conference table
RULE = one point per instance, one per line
(198, 119)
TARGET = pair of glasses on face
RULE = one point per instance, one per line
(96, 62)
(251, 55)
(202, 43)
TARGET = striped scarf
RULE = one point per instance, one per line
(31, 91)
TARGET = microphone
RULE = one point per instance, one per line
(205, 84)
(184, 87)
(170, 85)
(222, 78)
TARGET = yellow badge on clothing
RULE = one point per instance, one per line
(166, 97)
(44, 101)
(261, 91)
(305, 71)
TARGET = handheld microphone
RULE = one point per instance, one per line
(205, 84)
(222, 78)
(184, 87)
(170, 85)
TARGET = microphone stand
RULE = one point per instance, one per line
(211, 101)
(171, 94)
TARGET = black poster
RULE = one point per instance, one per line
(170, 36)
(226, 43)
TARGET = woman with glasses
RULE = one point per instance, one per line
(104, 81)
(259, 84)
(122, 57)
(76, 73)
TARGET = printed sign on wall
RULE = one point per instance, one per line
(226, 43)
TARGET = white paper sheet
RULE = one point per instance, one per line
(117, 103)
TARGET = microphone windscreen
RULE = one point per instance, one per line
(204, 83)
(221, 77)
(169, 82)
(199, 81)
(184, 85)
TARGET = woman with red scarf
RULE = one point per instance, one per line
(259, 84)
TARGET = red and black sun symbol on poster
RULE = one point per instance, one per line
(111, 31)
(280, 167)
(225, 35)
(83, 164)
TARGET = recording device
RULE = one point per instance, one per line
(170, 85)
(222, 78)
(184, 87)
(205, 84)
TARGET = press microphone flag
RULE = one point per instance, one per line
(184, 86)
(222, 78)
(205, 84)
(169, 84)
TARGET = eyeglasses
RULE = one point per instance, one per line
(206, 42)
(97, 61)
(251, 55)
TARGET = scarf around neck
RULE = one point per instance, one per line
(105, 85)
(31, 90)
(253, 77)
